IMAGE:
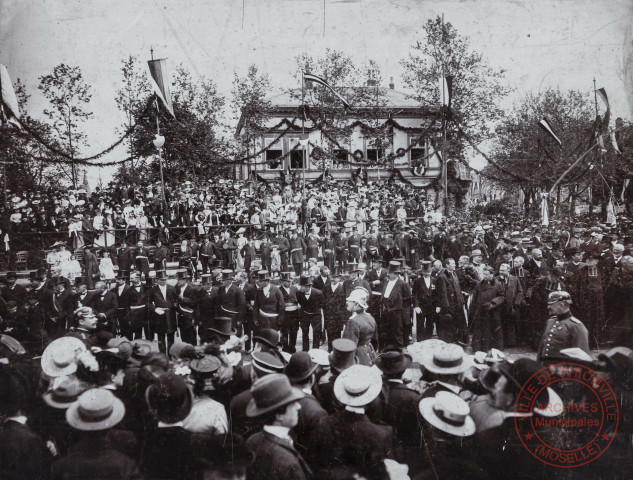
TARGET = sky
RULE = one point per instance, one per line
(540, 43)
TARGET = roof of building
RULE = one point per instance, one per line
(394, 99)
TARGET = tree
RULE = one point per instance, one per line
(476, 86)
(131, 99)
(361, 87)
(193, 147)
(250, 105)
(533, 161)
(69, 96)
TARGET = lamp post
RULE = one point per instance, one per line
(158, 142)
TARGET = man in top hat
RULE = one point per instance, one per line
(94, 415)
(162, 321)
(125, 257)
(187, 306)
(392, 304)
(451, 320)
(290, 321)
(425, 303)
(360, 280)
(269, 302)
(342, 357)
(160, 255)
(311, 302)
(123, 306)
(58, 307)
(276, 403)
(322, 279)
(348, 442)
(136, 302)
(334, 311)
(232, 299)
(563, 330)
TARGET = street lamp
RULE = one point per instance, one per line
(158, 142)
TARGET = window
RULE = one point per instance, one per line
(274, 160)
(296, 159)
(340, 158)
(375, 157)
(417, 154)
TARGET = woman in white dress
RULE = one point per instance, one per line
(70, 269)
(241, 241)
(108, 226)
(142, 224)
(75, 233)
(105, 267)
(97, 225)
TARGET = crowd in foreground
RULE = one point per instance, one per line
(313, 347)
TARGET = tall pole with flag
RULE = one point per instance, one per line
(9, 114)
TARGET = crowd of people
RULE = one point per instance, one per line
(237, 331)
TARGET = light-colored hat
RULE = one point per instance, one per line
(448, 413)
(95, 409)
(59, 356)
(446, 359)
(63, 392)
(358, 385)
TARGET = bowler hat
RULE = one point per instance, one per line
(169, 398)
(393, 362)
(270, 393)
(343, 354)
(267, 336)
(300, 367)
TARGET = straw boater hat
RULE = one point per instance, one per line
(446, 359)
(448, 413)
(95, 409)
(59, 357)
(63, 392)
(270, 393)
(358, 385)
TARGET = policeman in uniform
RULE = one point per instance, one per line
(563, 330)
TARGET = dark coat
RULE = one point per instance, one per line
(23, 454)
(485, 315)
(312, 305)
(275, 459)
(309, 416)
(350, 441)
(165, 323)
(95, 458)
(106, 305)
(452, 320)
(401, 412)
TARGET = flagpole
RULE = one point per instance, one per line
(160, 156)
(444, 120)
(303, 132)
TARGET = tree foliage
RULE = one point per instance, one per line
(250, 104)
(361, 87)
(477, 87)
(69, 96)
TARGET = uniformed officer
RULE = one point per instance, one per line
(563, 330)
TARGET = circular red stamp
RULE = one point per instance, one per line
(566, 415)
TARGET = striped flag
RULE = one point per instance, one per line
(9, 108)
(548, 129)
(160, 83)
(611, 213)
(446, 90)
(614, 142)
(544, 211)
(309, 77)
(602, 94)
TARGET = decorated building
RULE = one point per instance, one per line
(409, 155)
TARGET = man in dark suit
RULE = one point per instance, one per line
(13, 291)
(161, 299)
(232, 300)
(269, 303)
(400, 406)
(425, 303)
(311, 301)
(511, 307)
(451, 324)
(125, 257)
(323, 279)
(136, 299)
(275, 456)
(123, 306)
(58, 308)
(301, 373)
(105, 305)
(141, 259)
(188, 296)
(392, 305)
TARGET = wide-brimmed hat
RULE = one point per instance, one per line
(449, 413)
(446, 359)
(63, 392)
(320, 357)
(169, 398)
(393, 362)
(343, 354)
(95, 409)
(300, 367)
(519, 373)
(9, 346)
(222, 325)
(270, 393)
(358, 385)
(59, 356)
(267, 336)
